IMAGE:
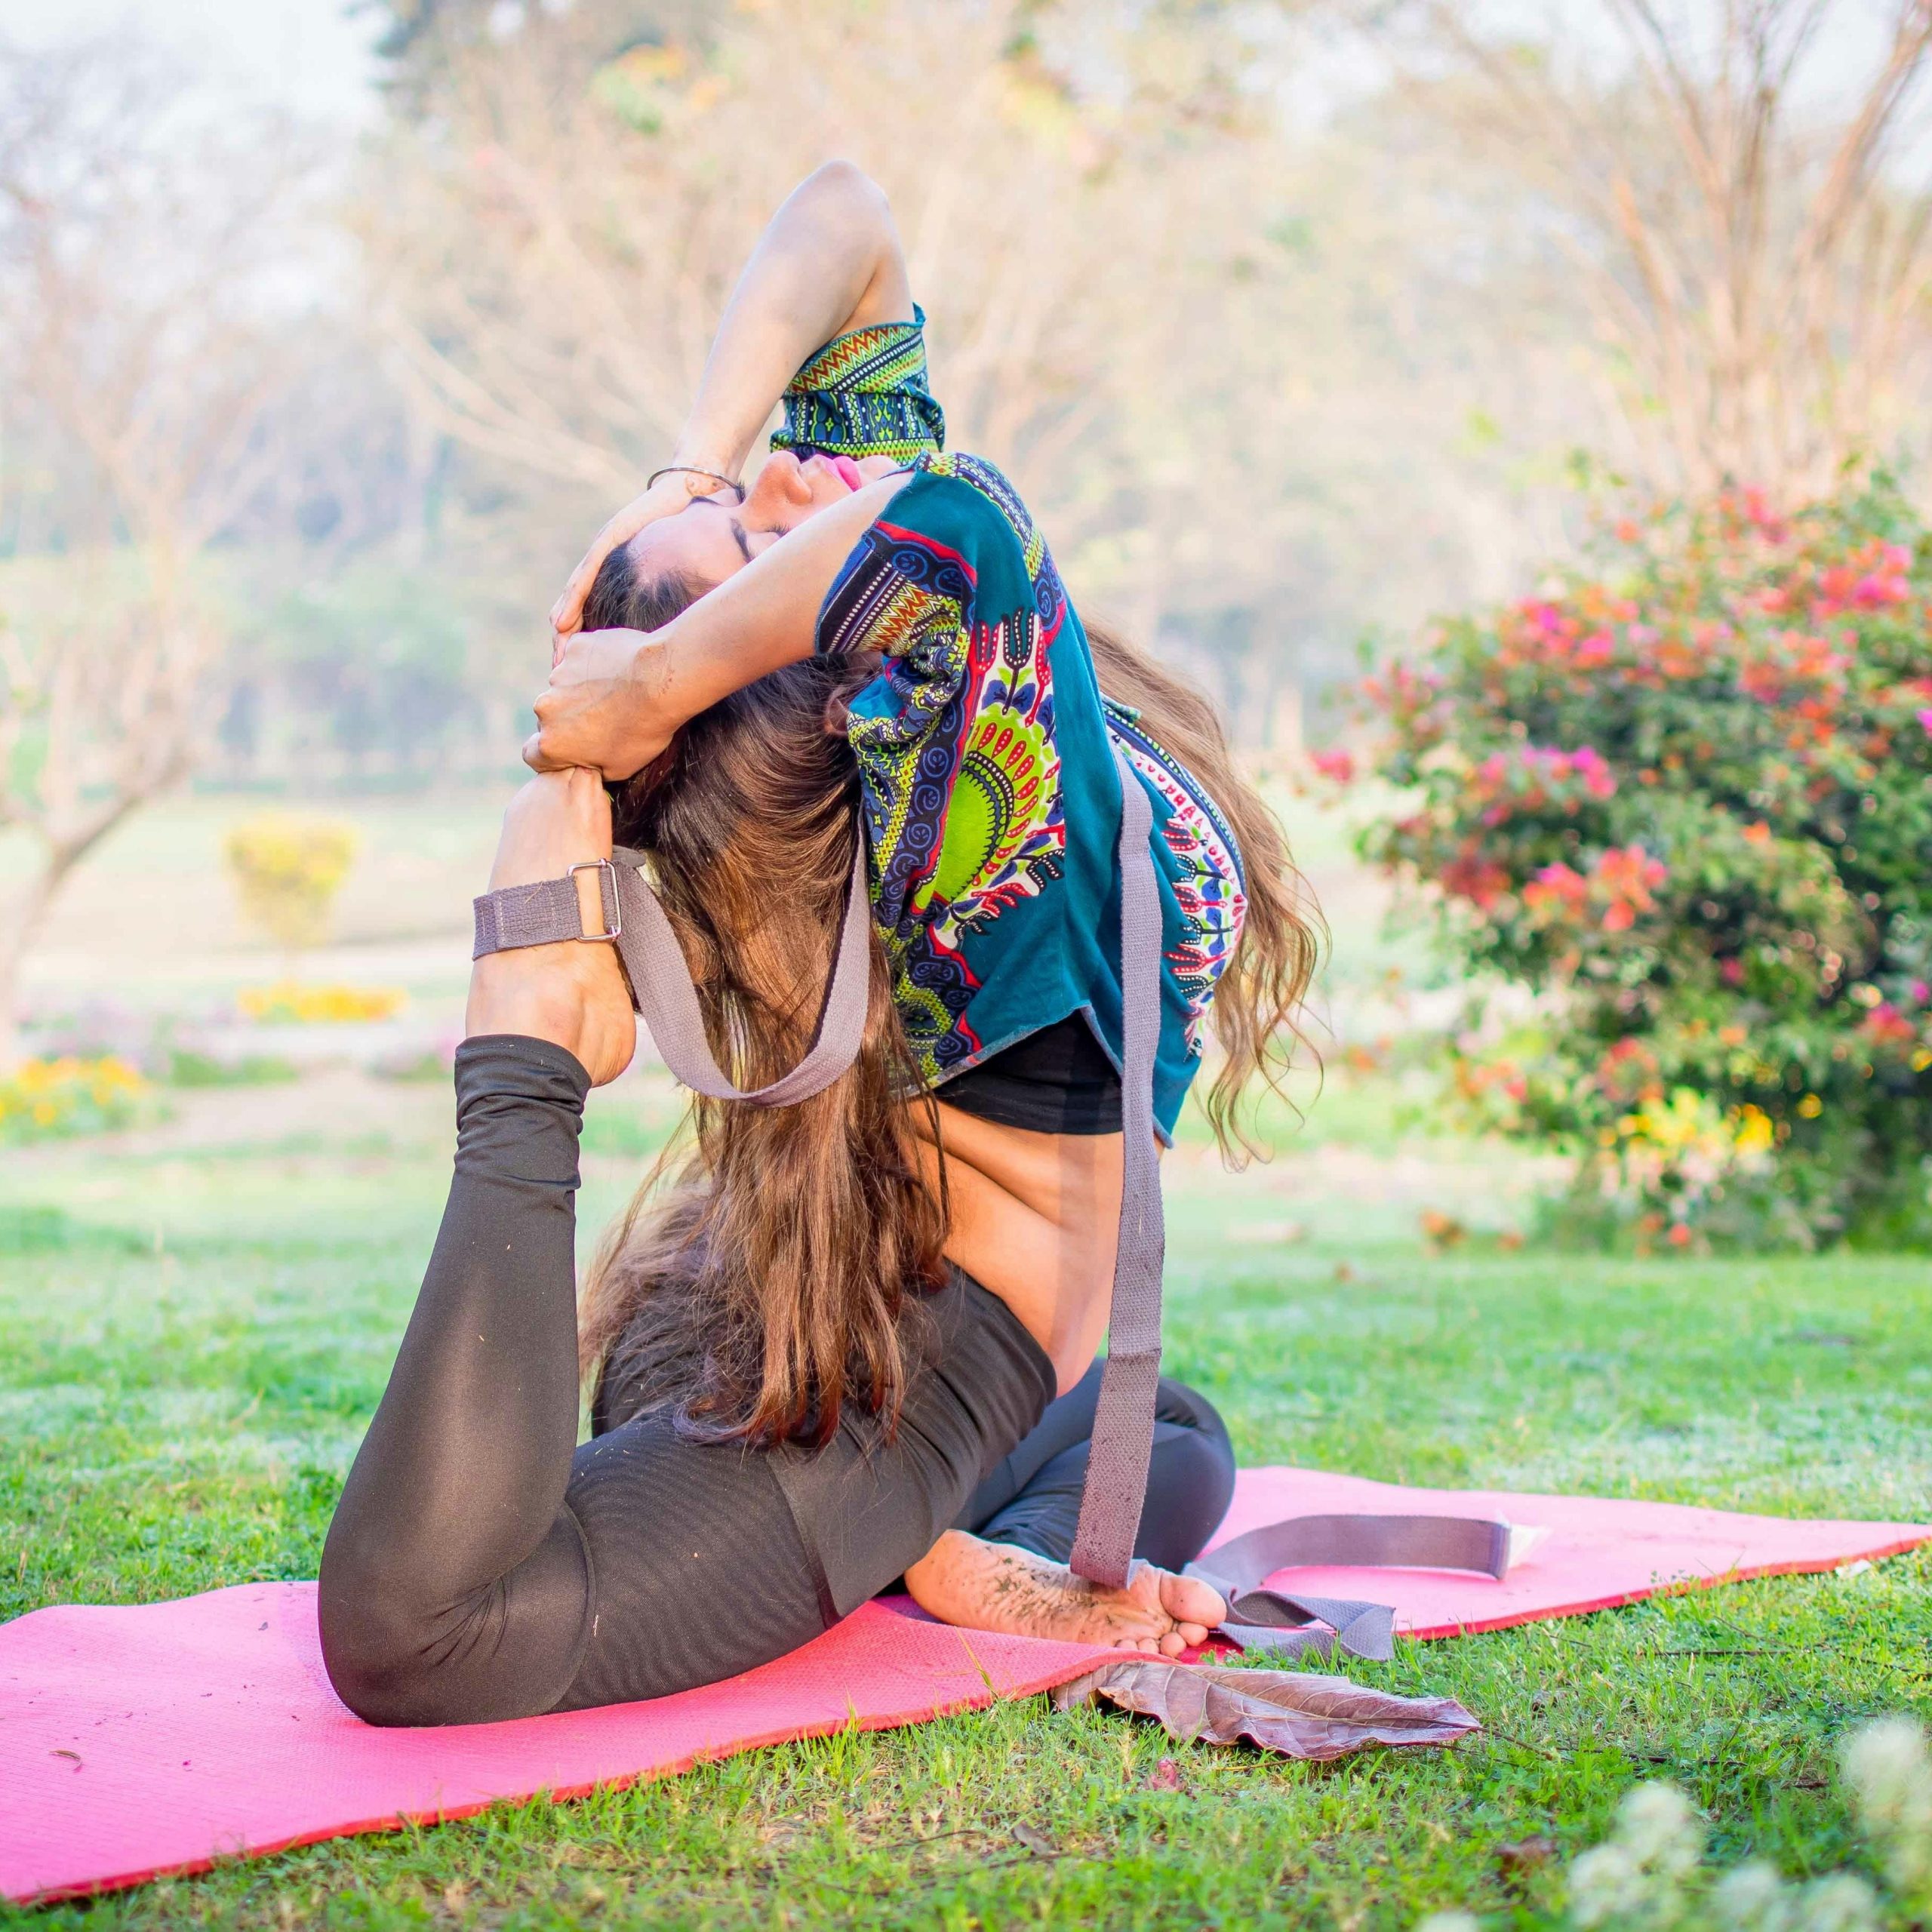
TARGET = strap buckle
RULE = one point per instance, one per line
(607, 895)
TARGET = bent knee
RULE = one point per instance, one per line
(380, 1663)
(400, 1651)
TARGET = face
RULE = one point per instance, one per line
(715, 536)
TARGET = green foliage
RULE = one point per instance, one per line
(1688, 799)
(185, 1067)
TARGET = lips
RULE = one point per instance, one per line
(848, 471)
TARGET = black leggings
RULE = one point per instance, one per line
(482, 1566)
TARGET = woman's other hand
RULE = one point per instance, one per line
(669, 494)
(605, 708)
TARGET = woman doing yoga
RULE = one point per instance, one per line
(852, 1339)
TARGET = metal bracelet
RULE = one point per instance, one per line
(692, 469)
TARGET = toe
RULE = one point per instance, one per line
(1188, 1600)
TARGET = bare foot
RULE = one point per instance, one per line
(573, 992)
(995, 1586)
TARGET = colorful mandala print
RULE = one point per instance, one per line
(964, 807)
(1211, 888)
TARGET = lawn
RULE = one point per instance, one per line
(192, 1332)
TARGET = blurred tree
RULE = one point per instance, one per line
(1717, 194)
(1106, 220)
(143, 335)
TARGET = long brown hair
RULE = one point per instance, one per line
(768, 1268)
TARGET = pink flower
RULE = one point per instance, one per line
(1339, 765)
(1590, 765)
(1925, 719)
(1872, 592)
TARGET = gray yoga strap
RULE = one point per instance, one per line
(1263, 1619)
(660, 982)
(1115, 1495)
(1123, 1441)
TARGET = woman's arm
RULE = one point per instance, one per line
(828, 262)
(616, 698)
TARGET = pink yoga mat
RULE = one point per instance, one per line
(161, 1738)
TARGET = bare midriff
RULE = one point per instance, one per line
(1035, 1218)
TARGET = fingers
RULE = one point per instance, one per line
(537, 759)
(567, 613)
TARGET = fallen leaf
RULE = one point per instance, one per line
(1036, 1842)
(1525, 1854)
(1294, 1713)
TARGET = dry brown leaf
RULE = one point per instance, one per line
(1295, 1712)
(1525, 1854)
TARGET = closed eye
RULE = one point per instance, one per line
(737, 528)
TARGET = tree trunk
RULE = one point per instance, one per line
(22, 919)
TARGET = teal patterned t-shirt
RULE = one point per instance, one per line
(991, 794)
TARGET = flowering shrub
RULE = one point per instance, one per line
(44, 1098)
(289, 1003)
(286, 873)
(1688, 799)
(1650, 1874)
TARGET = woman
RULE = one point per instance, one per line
(854, 1342)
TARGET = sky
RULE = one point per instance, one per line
(312, 56)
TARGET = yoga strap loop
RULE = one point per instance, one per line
(660, 982)
(662, 988)
(662, 991)
(1123, 1437)
(1264, 1620)
(542, 914)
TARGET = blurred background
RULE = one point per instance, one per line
(328, 334)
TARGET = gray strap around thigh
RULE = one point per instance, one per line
(1123, 1441)
(1261, 1618)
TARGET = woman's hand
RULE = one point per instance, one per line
(666, 497)
(607, 705)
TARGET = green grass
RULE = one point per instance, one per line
(190, 1345)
